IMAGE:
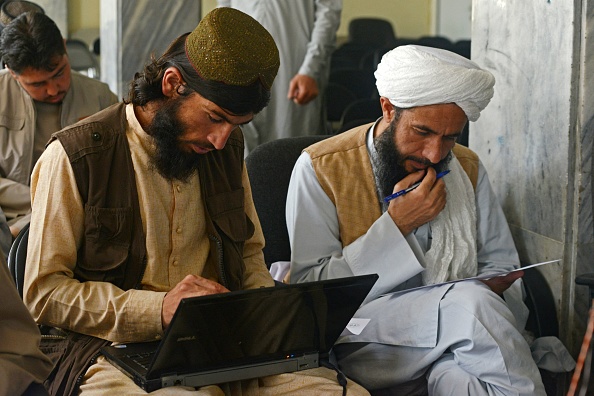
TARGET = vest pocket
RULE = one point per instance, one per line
(234, 228)
(228, 213)
(108, 233)
(13, 143)
(12, 123)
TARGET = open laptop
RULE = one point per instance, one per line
(245, 334)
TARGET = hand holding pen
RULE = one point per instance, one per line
(409, 189)
(409, 213)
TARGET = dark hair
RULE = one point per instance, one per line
(239, 100)
(31, 40)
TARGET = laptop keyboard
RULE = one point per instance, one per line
(142, 359)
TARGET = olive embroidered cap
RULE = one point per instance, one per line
(232, 47)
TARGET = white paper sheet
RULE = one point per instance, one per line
(486, 276)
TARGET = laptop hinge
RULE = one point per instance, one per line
(304, 362)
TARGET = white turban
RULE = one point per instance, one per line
(413, 75)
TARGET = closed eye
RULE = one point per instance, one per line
(214, 120)
(422, 132)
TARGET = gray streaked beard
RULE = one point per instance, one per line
(390, 169)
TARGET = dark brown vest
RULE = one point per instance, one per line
(114, 247)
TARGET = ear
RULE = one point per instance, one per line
(13, 74)
(171, 81)
(387, 109)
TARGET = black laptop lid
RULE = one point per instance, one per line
(245, 327)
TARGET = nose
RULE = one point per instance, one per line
(433, 150)
(219, 137)
(52, 88)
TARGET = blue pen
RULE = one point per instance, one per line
(402, 192)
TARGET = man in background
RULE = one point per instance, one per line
(39, 95)
(305, 32)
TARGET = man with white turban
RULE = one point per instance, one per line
(453, 339)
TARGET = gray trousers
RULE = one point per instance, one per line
(478, 351)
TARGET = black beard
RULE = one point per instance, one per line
(390, 166)
(169, 159)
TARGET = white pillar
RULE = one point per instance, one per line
(131, 30)
(535, 137)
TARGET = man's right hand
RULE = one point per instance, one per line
(419, 206)
(302, 89)
(190, 286)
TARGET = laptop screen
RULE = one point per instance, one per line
(248, 326)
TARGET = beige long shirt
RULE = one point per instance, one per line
(175, 240)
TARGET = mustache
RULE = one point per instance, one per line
(420, 160)
(201, 144)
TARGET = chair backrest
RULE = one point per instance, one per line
(269, 168)
(97, 46)
(362, 109)
(348, 55)
(542, 319)
(81, 58)
(374, 32)
(436, 42)
(352, 124)
(462, 47)
(17, 257)
(336, 99)
(360, 81)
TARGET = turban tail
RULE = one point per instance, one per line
(411, 76)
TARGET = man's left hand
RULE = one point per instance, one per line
(302, 89)
(499, 284)
(190, 286)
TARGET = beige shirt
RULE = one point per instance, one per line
(175, 240)
(46, 123)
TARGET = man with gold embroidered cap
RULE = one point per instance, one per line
(454, 339)
(148, 202)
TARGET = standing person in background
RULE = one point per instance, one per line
(39, 95)
(305, 33)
